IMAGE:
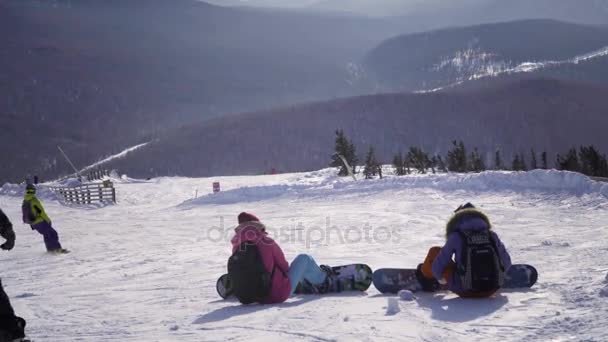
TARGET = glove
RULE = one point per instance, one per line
(9, 235)
(8, 245)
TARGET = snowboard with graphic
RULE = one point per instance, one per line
(392, 280)
(354, 277)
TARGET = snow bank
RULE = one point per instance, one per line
(548, 181)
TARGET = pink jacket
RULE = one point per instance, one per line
(272, 257)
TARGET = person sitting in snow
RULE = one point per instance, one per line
(11, 327)
(260, 273)
(34, 215)
(473, 261)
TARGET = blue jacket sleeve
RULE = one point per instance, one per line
(445, 255)
(504, 256)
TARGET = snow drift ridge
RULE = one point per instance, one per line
(551, 181)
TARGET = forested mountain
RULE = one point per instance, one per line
(439, 58)
(513, 116)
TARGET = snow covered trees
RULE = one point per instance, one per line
(401, 165)
(345, 148)
(587, 160)
(457, 157)
(371, 164)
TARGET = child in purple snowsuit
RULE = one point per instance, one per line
(442, 263)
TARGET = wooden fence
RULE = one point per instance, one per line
(88, 193)
(96, 175)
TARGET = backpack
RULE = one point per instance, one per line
(480, 268)
(250, 280)
(28, 214)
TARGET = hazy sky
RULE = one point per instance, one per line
(350, 5)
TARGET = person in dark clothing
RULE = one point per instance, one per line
(12, 328)
(6, 231)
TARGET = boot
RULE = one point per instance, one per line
(428, 284)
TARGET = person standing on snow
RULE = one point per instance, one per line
(480, 258)
(11, 327)
(259, 272)
(34, 215)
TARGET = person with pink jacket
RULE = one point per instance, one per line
(259, 271)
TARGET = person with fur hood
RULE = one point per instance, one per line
(473, 261)
(258, 269)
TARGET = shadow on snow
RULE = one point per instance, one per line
(238, 309)
(456, 309)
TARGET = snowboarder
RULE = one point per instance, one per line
(34, 215)
(259, 271)
(480, 261)
(11, 327)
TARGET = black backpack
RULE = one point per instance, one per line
(250, 280)
(480, 268)
(28, 215)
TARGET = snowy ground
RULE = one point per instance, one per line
(145, 269)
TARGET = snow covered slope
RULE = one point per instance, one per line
(145, 269)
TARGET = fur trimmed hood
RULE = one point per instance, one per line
(464, 215)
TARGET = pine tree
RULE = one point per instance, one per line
(570, 162)
(516, 164)
(476, 162)
(497, 161)
(340, 148)
(441, 164)
(352, 156)
(371, 166)
(603, 166)
(457, 157)
(543, 158)
(344, 148)
(419, 159)
(591, 162)
(522, 161)
(533, 165)
(399, 164)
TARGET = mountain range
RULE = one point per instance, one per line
(439, 58)
(512, 116)
(97, 76)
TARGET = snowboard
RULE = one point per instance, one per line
(354, 277)
(392, 280)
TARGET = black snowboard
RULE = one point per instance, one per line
(392, 280)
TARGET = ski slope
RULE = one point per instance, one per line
(145, 268)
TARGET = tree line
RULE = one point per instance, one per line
(584, 159)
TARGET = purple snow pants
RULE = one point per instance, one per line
(51, 239)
